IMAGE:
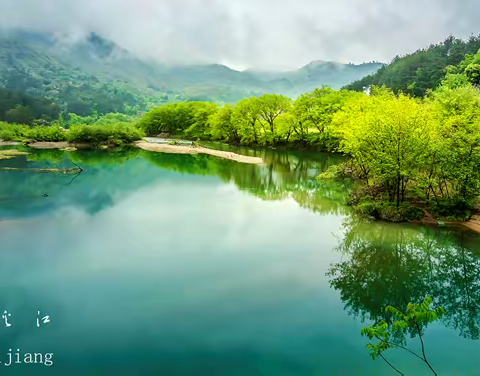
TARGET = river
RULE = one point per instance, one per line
(163, 264)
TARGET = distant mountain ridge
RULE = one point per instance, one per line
(54, 65)
(318, 73)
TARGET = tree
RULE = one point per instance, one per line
(20, 115)
(286, 124)
(459, 154)
(389, 138)
(421, 71)
(172, 117)
(316, 109)
(271, 106)
(471, 67)
(245, 116)
(201, 112)
(222, 127)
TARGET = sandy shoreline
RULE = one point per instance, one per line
(150, 146)
(473, 224)
(181, 149)
(62, 145)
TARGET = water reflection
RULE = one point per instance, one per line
(387, 264)
(283, 175)
(248, 275)
(384, 264)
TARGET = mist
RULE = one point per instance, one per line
(260, 34)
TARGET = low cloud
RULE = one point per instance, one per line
(284, 34)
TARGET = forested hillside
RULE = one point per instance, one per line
(424, 69)
(19, 107)
(81, 78)
(94, 75)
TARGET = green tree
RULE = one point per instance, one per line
(222, 126)
(459, 154)
(271, 106)
(471, 67)
(317, 108)
(200, 112)
(389, 138)
(171, 117)
(246, 117)
(20, 115)
(423, 70)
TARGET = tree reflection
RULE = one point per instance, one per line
(393, 265)
(284, 175)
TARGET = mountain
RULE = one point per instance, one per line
(316, 74)
(90, 73)
(82, 76)
(424, 69)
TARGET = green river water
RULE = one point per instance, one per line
(162, 264)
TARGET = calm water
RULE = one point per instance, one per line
(159, 264)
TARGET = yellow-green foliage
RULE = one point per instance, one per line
(389, 137)
(19, 132)
(413, 149)
(188, 117)
(268, 120)
(13, 132)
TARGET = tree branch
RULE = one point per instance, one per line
(390, 364)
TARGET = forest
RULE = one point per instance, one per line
(416, 73)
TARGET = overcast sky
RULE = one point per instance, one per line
(268, 34)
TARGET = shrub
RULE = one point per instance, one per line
(455, 210)
(388, 211)
(116, 134)
(13, 132)
(334, 172)
(46, 134)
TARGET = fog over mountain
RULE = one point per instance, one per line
(259, 34)
(47, 64)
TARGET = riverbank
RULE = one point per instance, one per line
(473, 224)
(428, 219)
(9, 143)
(62, 145)
(148, 146)
(373, 202)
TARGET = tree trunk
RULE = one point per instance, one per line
(398, 190)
